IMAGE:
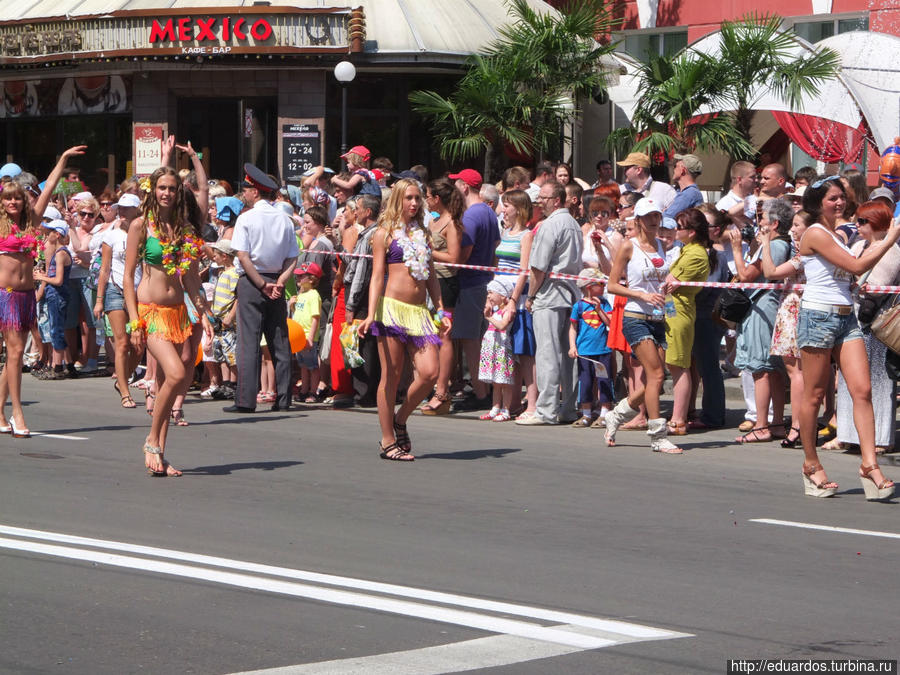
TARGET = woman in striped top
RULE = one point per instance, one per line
(512, 254)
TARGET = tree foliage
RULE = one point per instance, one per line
(755, 53)
(524, 86)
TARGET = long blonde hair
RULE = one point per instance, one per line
(14, 189)
(392, 215)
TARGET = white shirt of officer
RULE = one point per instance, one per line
(267, 234)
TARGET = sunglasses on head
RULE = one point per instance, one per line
(820, 183)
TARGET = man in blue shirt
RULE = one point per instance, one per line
(684, 175)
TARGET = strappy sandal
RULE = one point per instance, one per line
(826, 488)
(442, 408)
(128, 402)
(677, 428)
(154, 450)
(753, 436)
(150, 398)
(402, 436)
(395, 453)
(874, 491)
(788, 442)
(178, 417)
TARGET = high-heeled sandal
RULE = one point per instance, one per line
(874, 491)
(788, 442)
(813, 489)
(178, 417)
(150, 401)
(442, 408)
(402, 436)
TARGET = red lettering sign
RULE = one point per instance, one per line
(164, 33)
(204, 30)
(182, 30)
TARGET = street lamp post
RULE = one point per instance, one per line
(344, 72)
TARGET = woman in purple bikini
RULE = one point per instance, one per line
(398, 316)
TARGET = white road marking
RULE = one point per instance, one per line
(488, 652)
(61, 436)
(826, 528)
(618, 627)
(519, 640)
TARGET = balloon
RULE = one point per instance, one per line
(889, 168)
(296, 336)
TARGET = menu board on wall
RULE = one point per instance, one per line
(148, 140)
(301, 150)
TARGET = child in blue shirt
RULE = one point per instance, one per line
(588, 330)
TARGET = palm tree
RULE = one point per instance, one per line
(757, 52)
(754, 53)
(667, 117)
(519, 92)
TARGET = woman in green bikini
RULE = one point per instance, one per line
(169, 247)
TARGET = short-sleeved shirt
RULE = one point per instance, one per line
(309, 306)
(481, 232)
(684, 199)
(591, 332)
(557, 247)
(267, 234)
(731, 199)
(223, 298)
(116, 238)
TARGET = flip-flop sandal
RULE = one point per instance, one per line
(754, 437)
(128, 402)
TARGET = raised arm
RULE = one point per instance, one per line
(52, 181)
(202, 180)
(815, 240)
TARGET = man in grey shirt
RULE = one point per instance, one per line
(557, 247)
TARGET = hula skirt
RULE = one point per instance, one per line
(408, 323)
(18, 310)
(167, 322)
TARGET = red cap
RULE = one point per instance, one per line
(378, 173)
(468, 176)
(360, 150)
(309, 268)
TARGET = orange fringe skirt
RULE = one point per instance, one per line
(167, 322)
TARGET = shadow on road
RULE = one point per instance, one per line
(248, 418)
(498, 453)
(226, 469)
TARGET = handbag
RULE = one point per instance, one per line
(886, 326)
(732, 306)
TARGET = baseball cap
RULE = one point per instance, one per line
(691, 162)
(309, 172)
(669, 223)
(128, 200)
(11, 170)
(590, 276)
(292, 192)
(223, 245)
(636, 159)
(228, 208)
(309, 268)
(468, 176)
(81, 196)
(882, 192)
(798, 192)
(58, 226)
(52, 213)
(645, 206)
(360, 150)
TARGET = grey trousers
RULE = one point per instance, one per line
(257, 315)
(555, 369)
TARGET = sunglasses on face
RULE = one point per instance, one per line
(863, 221)
(106, 203)
(86, 214)
(681, 228)
(601, 214)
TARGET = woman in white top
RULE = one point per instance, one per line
(110, 296)
(643, 260)
(827, 328)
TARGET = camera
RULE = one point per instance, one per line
(748, 233)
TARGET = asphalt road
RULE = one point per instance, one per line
(503, 549)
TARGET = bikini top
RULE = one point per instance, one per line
(17, 242)
(153, 252)
(394, 252)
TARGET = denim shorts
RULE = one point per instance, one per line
(113, 299)
(637, 330)
(81, 303)
(824, 330)
(309, 357)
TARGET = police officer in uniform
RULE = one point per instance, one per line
(267, 251)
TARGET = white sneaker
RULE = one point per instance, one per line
(535, 421)
(208, 392)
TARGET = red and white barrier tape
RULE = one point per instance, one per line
(743, 285)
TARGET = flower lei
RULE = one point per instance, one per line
(416, 252)
(189, 248)
(28, 243)
(145, 184)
